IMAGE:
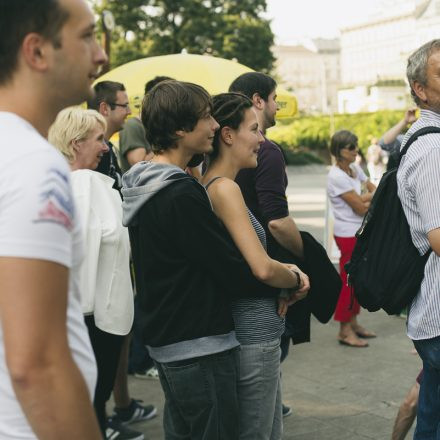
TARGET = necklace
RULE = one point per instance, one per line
(348, 171)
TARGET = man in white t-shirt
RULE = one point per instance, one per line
(48, 60)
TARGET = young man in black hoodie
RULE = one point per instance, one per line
(187, 268)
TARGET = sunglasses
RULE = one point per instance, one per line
(351, 147)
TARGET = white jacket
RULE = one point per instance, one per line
(105, 283)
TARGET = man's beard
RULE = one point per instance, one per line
(269, 121)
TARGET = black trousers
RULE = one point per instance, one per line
(107, 349)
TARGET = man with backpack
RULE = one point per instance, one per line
(418, 181)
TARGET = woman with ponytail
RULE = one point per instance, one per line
(259, 322)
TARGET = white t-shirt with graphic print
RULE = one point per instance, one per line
(347, 222)
(37, 220)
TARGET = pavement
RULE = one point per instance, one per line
(336, 392)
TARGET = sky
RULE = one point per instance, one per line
(295, 19)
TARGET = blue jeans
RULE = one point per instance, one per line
(259, 392)
(428, 409)
(201, 397)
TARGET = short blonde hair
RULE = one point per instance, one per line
(73, 124)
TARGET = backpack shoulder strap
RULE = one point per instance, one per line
(415, 136)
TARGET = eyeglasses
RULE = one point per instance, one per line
(126, 105)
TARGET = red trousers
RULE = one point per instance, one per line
(344, 312)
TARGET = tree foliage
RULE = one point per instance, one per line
(312, 133)
(224, 28)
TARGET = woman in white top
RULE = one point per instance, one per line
(349, 204)
(106, 291)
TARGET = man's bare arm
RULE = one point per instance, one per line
(286, 233)
(434, 240)
(391, 135)
(46, 380)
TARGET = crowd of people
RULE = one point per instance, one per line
(174, 255)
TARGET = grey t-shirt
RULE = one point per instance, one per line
(132, 136)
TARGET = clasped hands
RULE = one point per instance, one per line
(295, 294)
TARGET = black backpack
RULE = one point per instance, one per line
(386, 269)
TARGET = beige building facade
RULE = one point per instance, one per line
(374, 54)
(364, 70)
(310, 69)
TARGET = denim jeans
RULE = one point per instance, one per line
(428, 409)
(201, 397)
(259, 392)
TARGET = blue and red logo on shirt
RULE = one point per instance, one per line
(56, 200)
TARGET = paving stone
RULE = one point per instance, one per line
(365, 424)
(330, 432)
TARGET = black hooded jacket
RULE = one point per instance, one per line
(187, 267)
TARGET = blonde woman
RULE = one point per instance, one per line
(106, 291)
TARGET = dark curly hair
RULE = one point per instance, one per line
(228, 111)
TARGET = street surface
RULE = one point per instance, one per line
(336, 392)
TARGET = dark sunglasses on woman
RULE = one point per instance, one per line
(351, 147)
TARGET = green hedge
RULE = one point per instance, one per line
(296, 157)
(312, 133)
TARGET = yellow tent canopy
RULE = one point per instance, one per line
(214, 74)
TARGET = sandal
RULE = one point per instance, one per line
(363, 333)
(350, 344)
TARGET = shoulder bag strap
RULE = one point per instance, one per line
(415, 136)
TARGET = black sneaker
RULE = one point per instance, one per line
(287, 411)
(134, 413)
(116, 431)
